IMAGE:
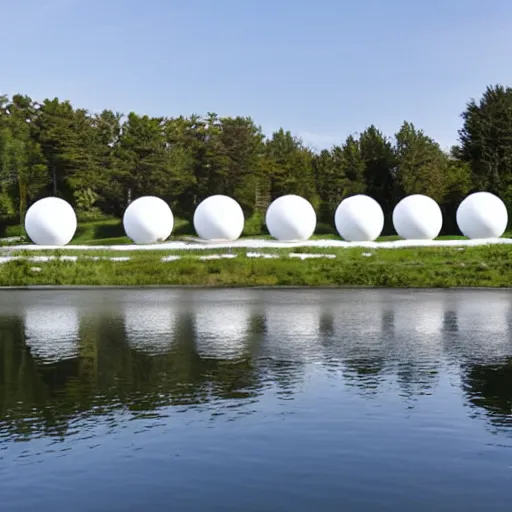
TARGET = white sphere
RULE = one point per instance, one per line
(147, 220)
(291, 218)
(50, 221)
(417, 217)
(482, 215)
(219, 218)
(359, 218)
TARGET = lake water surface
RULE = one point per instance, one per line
(264, 400)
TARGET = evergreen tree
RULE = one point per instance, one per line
(486, 141)
(147, 164)
(331, 182)
(290, 167)
(421, 164)
(243, 149)
(59, 133)
(379, 162)
(23, 170)
(353, 167)
(99, 162)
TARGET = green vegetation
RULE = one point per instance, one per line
(110, 231)
(99, 162)
(421, 267)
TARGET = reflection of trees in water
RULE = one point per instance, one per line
(188, 363)
(417, 346)
(353, 344)
(477, 330)
(477, 341)
(418, 360)
(22, 386)
(110, 376)
(406, 348)
(290, 340)
(113, 372)
(416, 379)
(489, 387)
(365, 373)
(450, 321)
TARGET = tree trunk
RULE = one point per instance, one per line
(22, 189)
(54, 179)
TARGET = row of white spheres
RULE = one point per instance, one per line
(149, 219)
(357, 218)
(418, 217)
(52, 221)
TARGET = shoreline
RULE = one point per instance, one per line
(66, 287)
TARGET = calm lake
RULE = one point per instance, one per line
(264, 400)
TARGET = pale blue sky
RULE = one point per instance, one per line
(322, 68)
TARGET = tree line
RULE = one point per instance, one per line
(99, 162)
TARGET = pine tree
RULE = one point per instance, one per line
(23, 171)
(290, 167)
(486, 141)
(353, 167)
(379, 162)
(421, 164)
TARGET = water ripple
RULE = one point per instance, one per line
(278, 399)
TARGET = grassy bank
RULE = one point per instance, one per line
(487, 266)
(110, 231)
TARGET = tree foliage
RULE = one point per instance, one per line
(486, 141)
(99, 162)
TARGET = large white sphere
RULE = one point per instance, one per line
(219, 218)
(148, 220)
(291, 218)
(359, 219)
(50, 221)
(417, 217)
(482, 215)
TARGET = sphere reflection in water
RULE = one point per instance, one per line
(476, 315)
(422, 316)
(361, 317)
(221, 330)
(52, 332)
(365, 345)
(150, 327)
(418, 329)
(293, 331)
(484, 325)
(416, 346)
